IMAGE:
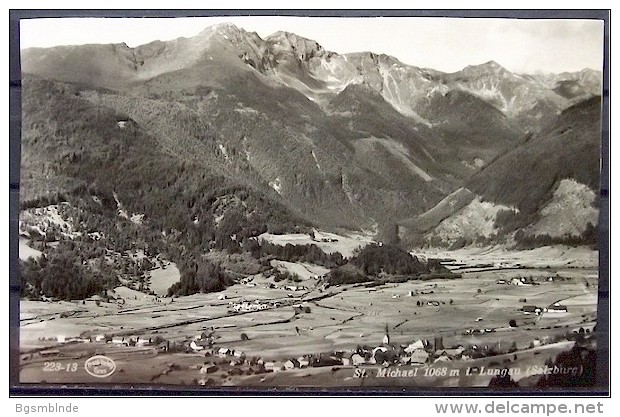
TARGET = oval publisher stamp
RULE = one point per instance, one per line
(100, 366)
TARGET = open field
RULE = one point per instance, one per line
(329, 242)
(338, 318)
(26, 251)
(161, 279)
(548, 256)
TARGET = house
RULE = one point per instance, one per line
(418, 344)
(357, 359)
(291, 364)
(346, 359)
(100, 338)
(500, 281)
(442, 359)
(378, 349)
(529, 309)
(207, 351)
(454, 351)
(418, 356)
(238, 354)
(201, 336)
(49, 352)
(118, 340)
(142, 341)
(61, 339)
(274, 366)
(303, 361)
(557, 308)
(222, 352)
(208, 369)
(164, 346)
(221, 297)
(195, 347)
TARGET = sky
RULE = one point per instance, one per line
(445, 44)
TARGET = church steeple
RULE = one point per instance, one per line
(386, 338)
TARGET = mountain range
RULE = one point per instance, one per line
(281, 131)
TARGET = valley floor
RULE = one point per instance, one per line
(474, 310)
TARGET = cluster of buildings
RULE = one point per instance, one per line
(519, 281)
(555, 308)
(102, 338)
(246, 306)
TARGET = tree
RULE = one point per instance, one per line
(512, 323)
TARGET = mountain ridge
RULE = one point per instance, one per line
(332, 72)
(350, 140)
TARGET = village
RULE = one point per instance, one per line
(213, 359)
(288, 318)
(209, 363)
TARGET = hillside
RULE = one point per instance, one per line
(287, 135)
(544, 187)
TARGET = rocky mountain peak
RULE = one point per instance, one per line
(303, 48)
(488, 68)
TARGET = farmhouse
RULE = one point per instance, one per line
(557, 308)
(208, 369)
(274, 366)
(142, 341)
(195, 347)
(529, 309)
(238, 354)
(49, 352)
(291, 364)
(120, 341)
(222, 352)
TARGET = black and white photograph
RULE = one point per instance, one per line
(307, 202)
